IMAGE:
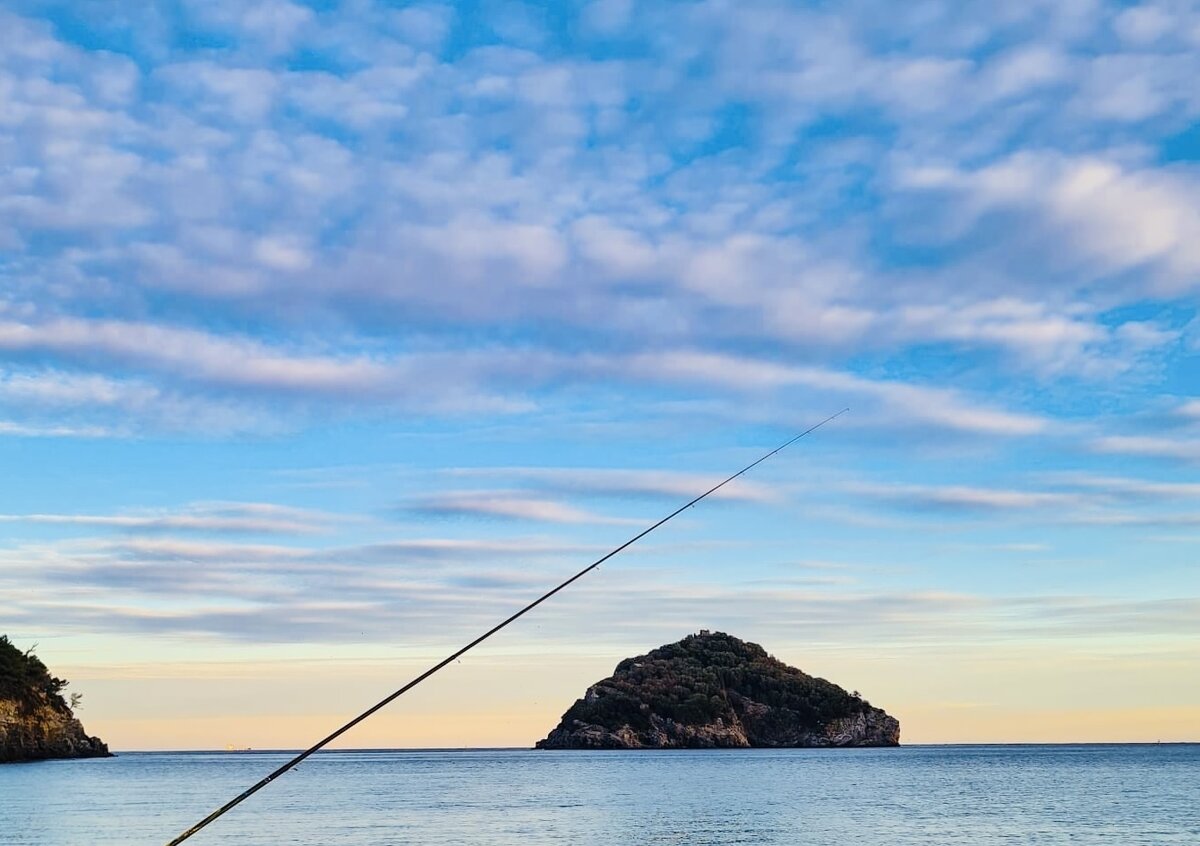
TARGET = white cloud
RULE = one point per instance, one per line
(424, 25)
(608, 16)
(194, 355)
(229, 554)
(966, 497)
(280, 254)
(271, 24)
(1130, 218)
(515, 505)
(235, 517)
(1030, 66)
(1030, 331)
(22, 430)
(283, 595)
(619, 482)
(205, 360)
(371, 99)
(395, 196)
(1110, 518)
(245, 95)
(58, 389)
(1113, 215)
(1129, 487)
(41, 402)
(1190, 409)
(1143, 24)
(1150, 446)
(941, 408)
(457, 550)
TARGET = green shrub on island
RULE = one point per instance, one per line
(690, 682)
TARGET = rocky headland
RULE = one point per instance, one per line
(36, 722)
(712, 690)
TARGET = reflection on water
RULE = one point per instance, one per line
(969, 795)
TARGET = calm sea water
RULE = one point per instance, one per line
(968, 795)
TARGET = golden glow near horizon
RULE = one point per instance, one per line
(984, 694)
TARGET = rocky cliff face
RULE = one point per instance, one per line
(35, 721)
(44, 732)
(715, 691)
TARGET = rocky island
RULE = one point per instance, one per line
(36, 722)
(712, 690)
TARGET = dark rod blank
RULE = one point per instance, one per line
(246, 794)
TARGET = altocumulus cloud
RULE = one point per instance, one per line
(450, 177)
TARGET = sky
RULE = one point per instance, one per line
(332, 333)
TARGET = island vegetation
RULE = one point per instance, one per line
(714, 690)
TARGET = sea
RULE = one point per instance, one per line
(1121, 795)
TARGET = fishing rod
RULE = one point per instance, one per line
(246, 794)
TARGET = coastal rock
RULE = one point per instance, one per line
(36, 723)
(42, 733)
(715, 691)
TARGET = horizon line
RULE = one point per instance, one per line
(386, 749)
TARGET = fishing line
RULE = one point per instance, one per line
(246, 794)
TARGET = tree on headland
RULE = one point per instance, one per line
(23, 677)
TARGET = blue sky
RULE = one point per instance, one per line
(331, 332)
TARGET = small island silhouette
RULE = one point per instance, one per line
(712, 690)
(36, 722)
